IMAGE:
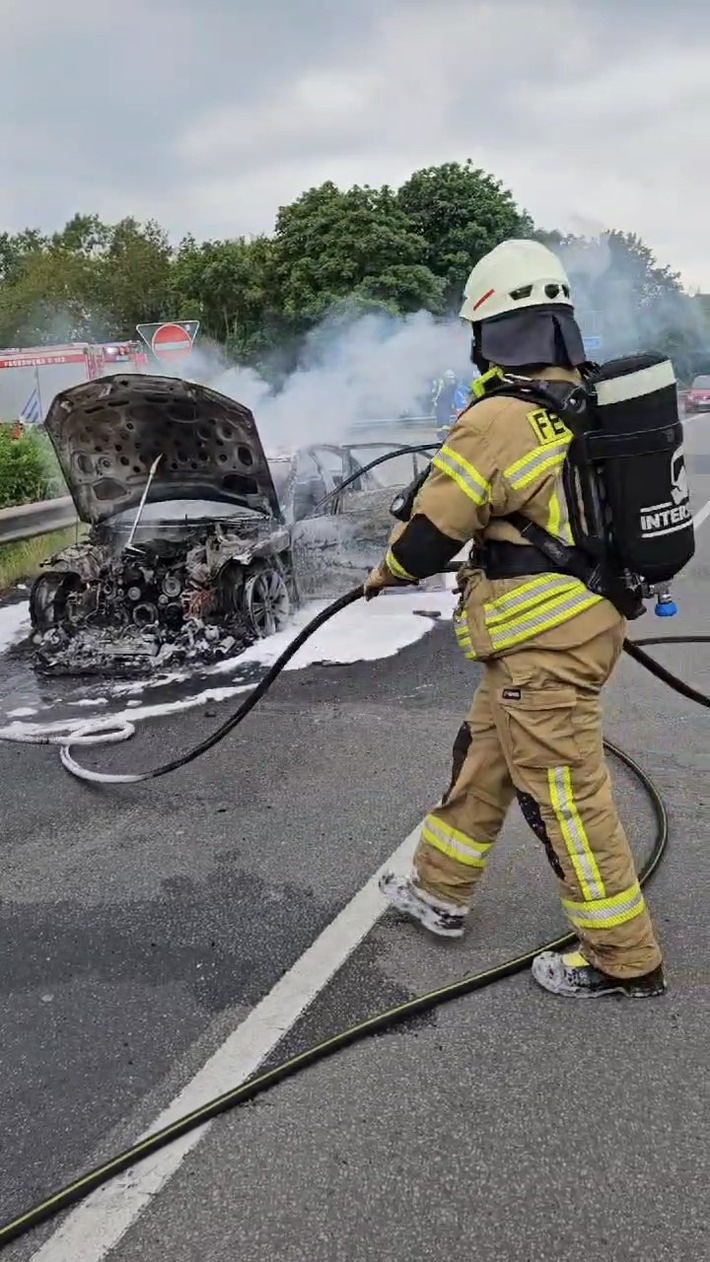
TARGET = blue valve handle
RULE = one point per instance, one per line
(665, 607)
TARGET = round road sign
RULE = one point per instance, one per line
(171, 342)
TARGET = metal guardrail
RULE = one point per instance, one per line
(27, 521)
(400, 424)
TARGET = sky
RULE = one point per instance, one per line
(207, 115)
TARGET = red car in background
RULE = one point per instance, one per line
(698, 396)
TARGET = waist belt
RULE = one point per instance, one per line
(500, 559)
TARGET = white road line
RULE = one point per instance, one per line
(97, 1225)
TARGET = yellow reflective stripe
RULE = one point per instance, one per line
(463, 636)
(481, 384)
(528, 596)
(558, 519)
(559, 783)
(545, 620)
(535, 463)
(466, 477)
(606, 913)
(558, 515)
(450, 841)
(543, 466)
(398, 570)
(534, 457)
(554, 515)
(575, 959)
(548, 615)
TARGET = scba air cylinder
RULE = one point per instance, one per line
(645, 483)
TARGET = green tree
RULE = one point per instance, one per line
(133, 275)
(52, 297)
(89, 280)
(85, 235)
(14, 250)
(334, 253)
(459, 213)
(332, 245)
(231, 286)
(614, 262)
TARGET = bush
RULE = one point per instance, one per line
(28, 467)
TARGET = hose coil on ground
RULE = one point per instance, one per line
(111, 732)
(261, 1082)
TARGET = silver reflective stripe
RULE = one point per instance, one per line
(462, 472)
(619, 911)
(543, 458)
(574, 834)
(530, 594)
(552, 613)
(470, 853)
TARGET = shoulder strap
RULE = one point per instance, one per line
(563, 397)
(567, 558)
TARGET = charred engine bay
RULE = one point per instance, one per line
(193, 594)
(189, 559)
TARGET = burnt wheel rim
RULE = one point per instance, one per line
(48, 599)
(266, 602)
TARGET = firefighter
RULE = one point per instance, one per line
(547, 645)
(462, 397)
(443, 400)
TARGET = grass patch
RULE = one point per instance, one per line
(23, 559)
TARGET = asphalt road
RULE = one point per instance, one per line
(142, 926)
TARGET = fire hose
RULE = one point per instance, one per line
(108, 732)
(87, 1183)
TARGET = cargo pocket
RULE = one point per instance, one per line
(540, 727)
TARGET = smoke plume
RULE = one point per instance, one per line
(371, 367)
(631, 303)
(378, 366)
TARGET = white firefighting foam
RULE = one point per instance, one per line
(360, 633)
(14, 623)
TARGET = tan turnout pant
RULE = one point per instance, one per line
(535, 731)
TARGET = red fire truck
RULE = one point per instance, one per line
(31, 376)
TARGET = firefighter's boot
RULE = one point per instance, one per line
(571, 975)
(444, 919)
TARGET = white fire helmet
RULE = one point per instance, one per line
(515, 275)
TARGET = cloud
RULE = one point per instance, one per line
(209, 117)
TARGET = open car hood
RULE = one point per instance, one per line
(108, 432)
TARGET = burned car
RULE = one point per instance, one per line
(341, 515)
(307, 480)
(192, 552)
(188, 556)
